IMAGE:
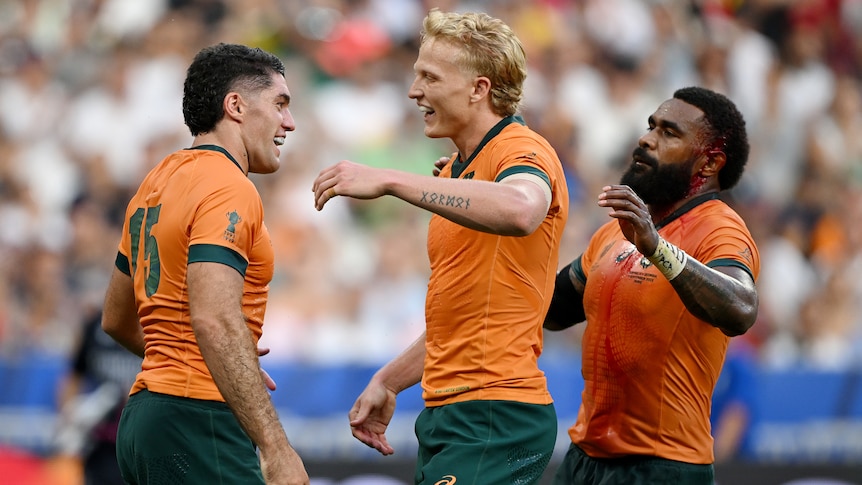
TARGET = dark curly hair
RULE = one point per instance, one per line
(218, 70)
(726, 127)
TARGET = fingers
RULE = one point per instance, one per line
(618, 192)
(620, 197)
(357, 414)
(373, 440)
(323, 178)
(383, 447)
(324, 186)
(362, 431)
(269, 381)
(322, 195)
(441, 162)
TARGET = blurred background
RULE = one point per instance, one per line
(90, 100)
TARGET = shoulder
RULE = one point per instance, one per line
(519, 145)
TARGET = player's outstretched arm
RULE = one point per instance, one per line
(515, 206)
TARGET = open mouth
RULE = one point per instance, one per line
(279, 141)
(426, 111)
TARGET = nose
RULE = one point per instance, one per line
(287, 121)
(647, 140)
(414, 92)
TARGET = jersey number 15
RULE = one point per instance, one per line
(140, 224)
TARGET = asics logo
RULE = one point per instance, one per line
(447, 480)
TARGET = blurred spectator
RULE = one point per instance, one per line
(834, 147)
(91, 398)
(734, 401)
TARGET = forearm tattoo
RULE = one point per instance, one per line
(434, 198)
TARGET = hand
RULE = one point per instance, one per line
(370, 416)
(283, 469)
(633, 216)
(441, 162)
(270, 383)
(348, 179)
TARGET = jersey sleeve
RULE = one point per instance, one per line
(124, 248)
(728, 244)
(224, 226)
(524, 155)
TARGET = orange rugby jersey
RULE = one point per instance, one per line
(488, 294)
(196, 205)
(649, 366)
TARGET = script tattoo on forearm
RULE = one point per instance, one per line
(445, 200)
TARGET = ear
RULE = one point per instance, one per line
(234, 106)
(715, 160)
(481, 88)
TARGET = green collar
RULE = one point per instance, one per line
(216, 148)
(459, 166)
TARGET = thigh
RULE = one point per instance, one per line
(579, 468)
(100, 466)
(574, 469)
(480, 442)
(668, 471)
(170, 440)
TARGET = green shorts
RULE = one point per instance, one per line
(484, 442)
(577, 467)
(166, 439)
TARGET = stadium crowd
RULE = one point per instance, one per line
(90, 94)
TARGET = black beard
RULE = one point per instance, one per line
(657, 183)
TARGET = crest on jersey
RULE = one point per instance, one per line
(230, 232)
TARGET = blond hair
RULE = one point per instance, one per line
(488, 47)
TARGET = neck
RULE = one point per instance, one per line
(214, 138)
(474, 131)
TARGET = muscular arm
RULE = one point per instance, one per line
(513, 207)
(120, 316)
(724, 297)
(227, 346)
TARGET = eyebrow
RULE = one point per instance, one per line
(666, 123)
(283, 97)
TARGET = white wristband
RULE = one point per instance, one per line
(668, 259)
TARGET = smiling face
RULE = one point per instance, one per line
(442, 90)
(267, 122)
(667, 159)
